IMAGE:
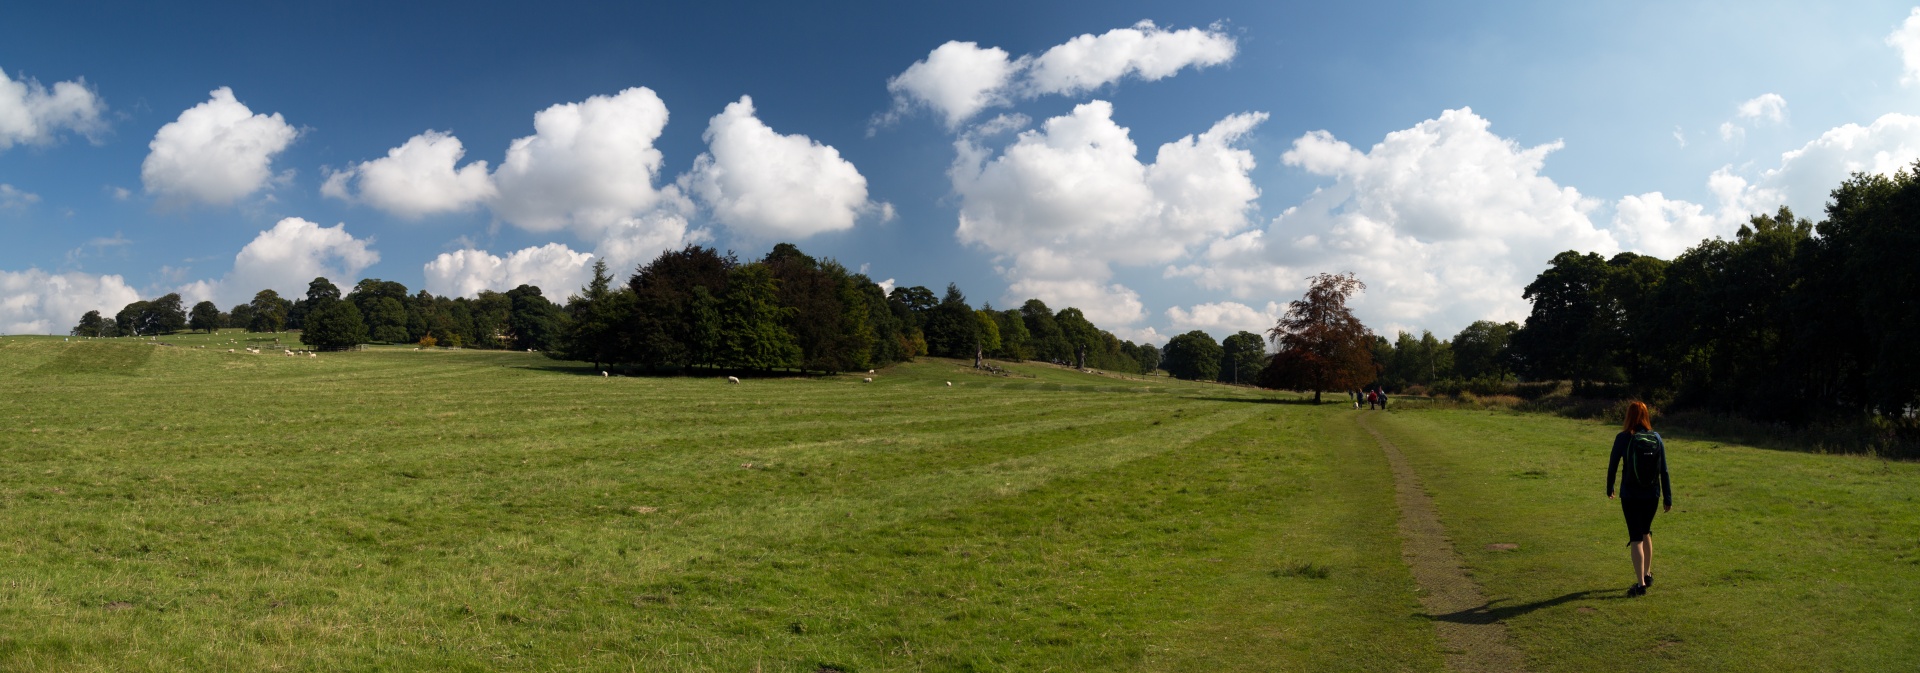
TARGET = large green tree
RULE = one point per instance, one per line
(1243, 354)
(533, 322)
(269, 312)
(752, 330)
(205, 317)
(1479, 350)
(1194, 356)
(599, 316)
(333, 325)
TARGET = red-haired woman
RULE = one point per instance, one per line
(1643, 483)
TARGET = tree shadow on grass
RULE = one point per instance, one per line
(1492, 611)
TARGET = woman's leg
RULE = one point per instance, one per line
(1647, 541)
(1638, 551)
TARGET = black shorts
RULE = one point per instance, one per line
(1639, 516)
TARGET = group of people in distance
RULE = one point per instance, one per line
(1375, 397)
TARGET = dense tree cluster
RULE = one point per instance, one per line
(1788, 321)
(699, 308)
(1321, 345)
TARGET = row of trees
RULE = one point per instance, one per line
(697, 307)
(1196, 356)
(374, 311)
(1788, 321)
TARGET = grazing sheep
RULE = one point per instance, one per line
(313, 355)
(867, 380)
(603, 373)
(949, 384)
(733, 379)
(869, 371)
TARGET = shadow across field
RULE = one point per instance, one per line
(579, 370)
(1267, 400)
(1491, 612)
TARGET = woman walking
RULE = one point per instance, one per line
(1643, 484)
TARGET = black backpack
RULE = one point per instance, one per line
(1643, 459)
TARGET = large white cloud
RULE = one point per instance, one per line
(1445, 222)
(767, 185)
(589, 165)
(32, 114)
(37, 302)
(1806, 175)
(1224, 318)
(1066, 202)
(215, 153)
(1906, 39)
(958, 80)
(416, 179)
(1146, 51)
(554, 268)
(284, 259)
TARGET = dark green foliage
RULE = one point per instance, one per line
(1787, 321)
(146, 318)
(1479, 350)
(269, 312)
(1015, 342)
(598, 318)
(1194, 356)
(951, 329)
(663, 295)
(533, 323)
(383, 304)
(1242, 357)
(94, 325)
(1047, 341)
(752, 330)
(334, 325)
(241, 317)
(205, 317)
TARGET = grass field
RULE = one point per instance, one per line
(182, 508)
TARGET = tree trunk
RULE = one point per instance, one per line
(1316, 397)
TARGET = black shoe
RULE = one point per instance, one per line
(1647, 581)
(1636, 591)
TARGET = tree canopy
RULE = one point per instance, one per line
(1321, 345)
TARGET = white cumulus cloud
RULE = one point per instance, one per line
(1224, 318)
(1145, 50)
(416, 179)
(1805, 175)
(37, 302)
(1444, 221)
(588, 165)
(958, 80)
(554, 268)
(1065, 202)
(215, 153)
(32, 114)
(771, 186)
(1768, 106)
(284, 259)
(1906, 39)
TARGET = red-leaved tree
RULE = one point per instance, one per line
(1321, 345)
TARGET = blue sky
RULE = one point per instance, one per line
(1441, 151)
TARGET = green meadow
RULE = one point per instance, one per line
(184, 508)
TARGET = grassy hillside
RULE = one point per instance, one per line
(183, 508)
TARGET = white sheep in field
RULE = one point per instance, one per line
(867, 380)
(733, 379)
(949, 384)
(869, 371)
(229, 350)
(313, 355)
(603, 374)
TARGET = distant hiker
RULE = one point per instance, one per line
(1383, 399)
(1643, 484)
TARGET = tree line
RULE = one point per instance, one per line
(699, 308)
(690, 308)
(1789, 321)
